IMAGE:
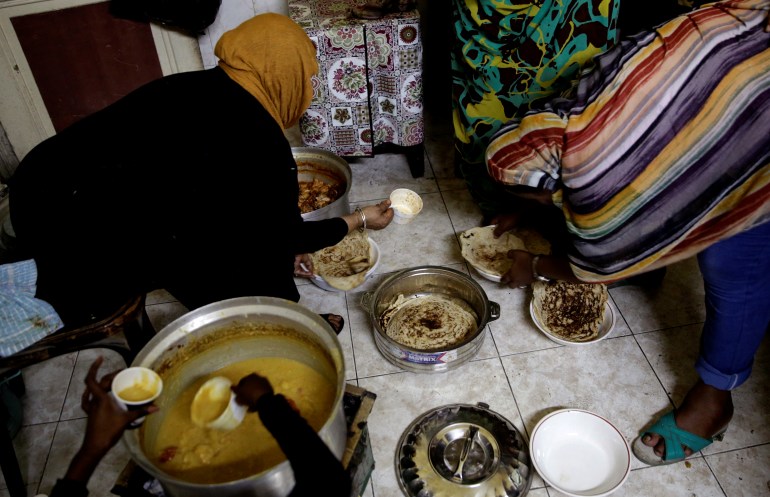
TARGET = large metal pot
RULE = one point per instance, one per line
(421, 281)
(317, 163)
(229, 331)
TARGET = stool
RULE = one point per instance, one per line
(126, 331)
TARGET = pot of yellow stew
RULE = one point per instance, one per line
(291, 346)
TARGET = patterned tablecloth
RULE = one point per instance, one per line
(368, 91)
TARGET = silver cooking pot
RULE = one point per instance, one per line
(220, 334)
(320, 164)
(422, 281)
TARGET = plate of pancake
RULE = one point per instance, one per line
(346, 265)
(488, 255)
(572, 313)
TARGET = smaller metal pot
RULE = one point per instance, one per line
(317, 163)
(423, 281)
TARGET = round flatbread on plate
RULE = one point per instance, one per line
(574, 312)
(489, 255)
(485, 252)
(429, 322)
(346, 265)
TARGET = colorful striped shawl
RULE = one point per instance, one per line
(665, 150)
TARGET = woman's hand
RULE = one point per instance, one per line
(520, 273)
(378, 216)
(505, 222)
(106, 418)
(107, 421)
(301, 260)
(250, 389)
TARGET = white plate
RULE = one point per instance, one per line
(374, 254)
(608, 323)
(580, 453)
(492, 277)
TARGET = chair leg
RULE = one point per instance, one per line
(415, 156)
(138, 334)
(8, 461)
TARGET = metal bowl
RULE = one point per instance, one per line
(317, 163)
(419, 282)
(462, 450)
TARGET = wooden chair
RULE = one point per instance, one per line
(126, 331)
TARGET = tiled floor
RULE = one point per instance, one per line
(630, 378)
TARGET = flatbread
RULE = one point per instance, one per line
(571, 311)
(344, 265)
(429, 322)
(482, 250)
(534, 242)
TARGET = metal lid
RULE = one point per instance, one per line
(463, 450)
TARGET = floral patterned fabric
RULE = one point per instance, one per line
(369, 87)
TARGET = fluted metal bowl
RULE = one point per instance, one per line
(463, 450)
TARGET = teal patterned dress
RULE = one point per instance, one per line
(509, 57)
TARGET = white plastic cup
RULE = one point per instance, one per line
(406, 205)
(214, 405)
(135, 388)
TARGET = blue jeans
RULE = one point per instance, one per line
(736, 277)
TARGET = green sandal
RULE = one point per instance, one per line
(676, 439)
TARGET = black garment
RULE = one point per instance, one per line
(69, 488)
(637, 15)
(193, 16)
(316, 470)
(186, 184)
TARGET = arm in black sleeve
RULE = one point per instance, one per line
(69, 488)
(315, 467)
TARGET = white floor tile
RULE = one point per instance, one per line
(611, 378)
(32, 445)
(743, 473)
(112, 362)
(674, 480)
(46, 384)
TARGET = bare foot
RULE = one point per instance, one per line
(336, 321)
(705, 412)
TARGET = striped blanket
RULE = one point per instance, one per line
(664, 151)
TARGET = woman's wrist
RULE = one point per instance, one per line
(84, 464)
(536, 274)
(362, 216)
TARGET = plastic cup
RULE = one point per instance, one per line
(406, 205)
(135, 388)
(214, 405)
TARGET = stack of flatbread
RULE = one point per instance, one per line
(571, 311)
(489, 254)
(344, 266)
(429, 322)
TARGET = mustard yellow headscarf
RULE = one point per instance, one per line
(272, 58)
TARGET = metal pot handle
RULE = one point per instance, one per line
(494, 311)
(366, 301)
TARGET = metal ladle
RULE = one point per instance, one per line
(472, 431)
